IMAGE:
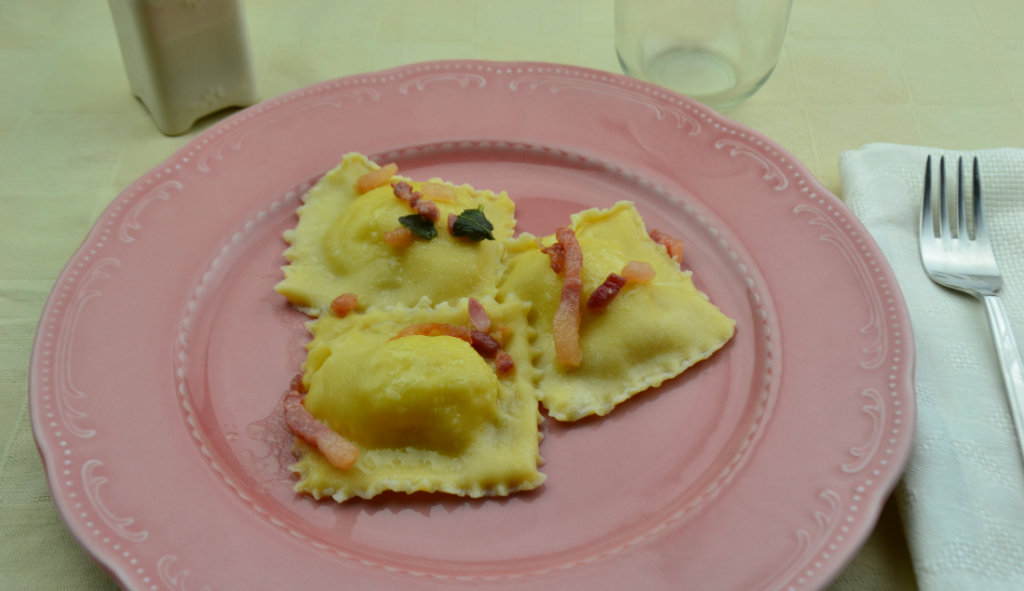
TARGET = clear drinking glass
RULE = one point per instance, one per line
(716, 51)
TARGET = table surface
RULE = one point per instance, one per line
(943, 73)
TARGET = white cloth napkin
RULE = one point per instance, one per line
(962, 497)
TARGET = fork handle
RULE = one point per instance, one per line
(1009, 361)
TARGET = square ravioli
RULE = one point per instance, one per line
(428, 413)
(649, 333)
(339, 246)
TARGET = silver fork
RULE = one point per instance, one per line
(969, 265)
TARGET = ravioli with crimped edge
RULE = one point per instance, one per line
(651, 332)
(339, 243)
(428, 413)
(437, 332)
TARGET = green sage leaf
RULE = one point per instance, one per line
(419, 226)
(473, 224)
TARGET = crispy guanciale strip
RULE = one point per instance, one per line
(638, 272)
(557, 253)
(606, 292)
(438, 192)
(403, 191)
(296, 384)
(673, 245)
(344, 304)
(452, 218)
(484, 344)
(399, 237)
(566, 325)
(478, 316)
(376, 178)
(426, 209)
(339, 451)
(503, 364)
(434, 329)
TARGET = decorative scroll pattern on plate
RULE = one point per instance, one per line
(422, 82)
(772, 171)
(867, 451)
(174, 581)
(876, 311)
(216, 149)
(661, 110)
(131, 221)
(92, 483)
(809, 544)
(65, 387)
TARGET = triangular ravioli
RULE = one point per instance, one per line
(649, 333)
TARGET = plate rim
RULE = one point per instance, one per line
(113, 567)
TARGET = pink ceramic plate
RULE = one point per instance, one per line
(163, 353)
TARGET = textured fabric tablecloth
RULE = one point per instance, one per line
(936, 72)
(963, 491)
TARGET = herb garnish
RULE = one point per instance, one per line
(472, 224)
(419, 226)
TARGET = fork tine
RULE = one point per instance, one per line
(927, 218)
(980, 230)
(944, 230)
(961, 207)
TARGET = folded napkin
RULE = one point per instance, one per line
(962, 496)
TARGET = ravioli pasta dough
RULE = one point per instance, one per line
(649, 334)
(338, 246)
(427, 412)
(431, 413)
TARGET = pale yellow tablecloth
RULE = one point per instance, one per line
(946, 73)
